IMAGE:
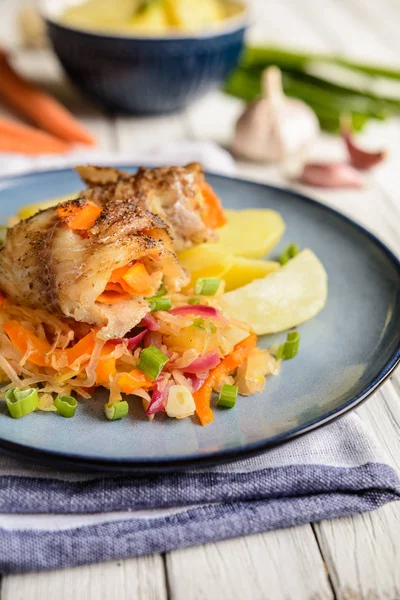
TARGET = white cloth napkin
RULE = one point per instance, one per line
(209, 154)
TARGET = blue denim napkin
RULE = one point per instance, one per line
(52, 519)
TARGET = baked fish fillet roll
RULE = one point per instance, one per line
(95, 265)
(179, 195)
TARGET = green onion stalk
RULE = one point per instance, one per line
(331, 86)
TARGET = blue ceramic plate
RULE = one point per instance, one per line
(346, 351)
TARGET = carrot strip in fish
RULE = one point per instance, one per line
(79, 216)
(138, 280)
(214, 213)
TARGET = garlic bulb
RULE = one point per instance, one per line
(274, 127)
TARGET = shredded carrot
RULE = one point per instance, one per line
(202, 397)
(16, 137)
(39, 107)
(25, 340)
(106, 366)
(85, 346)
(137, 280)
(214, 213)
(129, 382)
(77, 215)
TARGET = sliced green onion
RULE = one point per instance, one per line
(119, 410)
(152, 361)
(292, 345)
(158, 303)
(289, 252)
(207, 286)
(290, 348)
(21, 402)
(162, 291)
(193, 301)
(213, 328)
(199, 322)
(227, 396)
(66, 406)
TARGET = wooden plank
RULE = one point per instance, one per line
(382, 414)
(363, 554)
(281, 565)
(132, 579)
(342, 30)
(379, 17)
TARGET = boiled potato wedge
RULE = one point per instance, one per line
(284, 299)
(31, 209)
(152, 19)
(251, 233)
(245, 270)
(192, 15)
(206, 260)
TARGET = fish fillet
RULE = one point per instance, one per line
(44, 264)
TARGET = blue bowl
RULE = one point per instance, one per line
(146, 75)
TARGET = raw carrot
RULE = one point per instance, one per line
(16, 137)
(202, 397)
(106, 366)
(25, 340)
(39, 107)
(129, 382)
(214, 213)
(78, 215)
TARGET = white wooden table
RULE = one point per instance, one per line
(353, 558)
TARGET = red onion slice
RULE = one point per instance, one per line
(159, 397)
(202, 364)
(150, 322)
(199, 310)
(132, 342)
(197, 381)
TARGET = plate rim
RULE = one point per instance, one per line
(157, 464)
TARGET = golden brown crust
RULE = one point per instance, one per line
(173, 193)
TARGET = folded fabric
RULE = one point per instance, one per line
(52, 519)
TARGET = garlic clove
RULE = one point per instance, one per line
(359, 158)
(274, 127)
(330, 175)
